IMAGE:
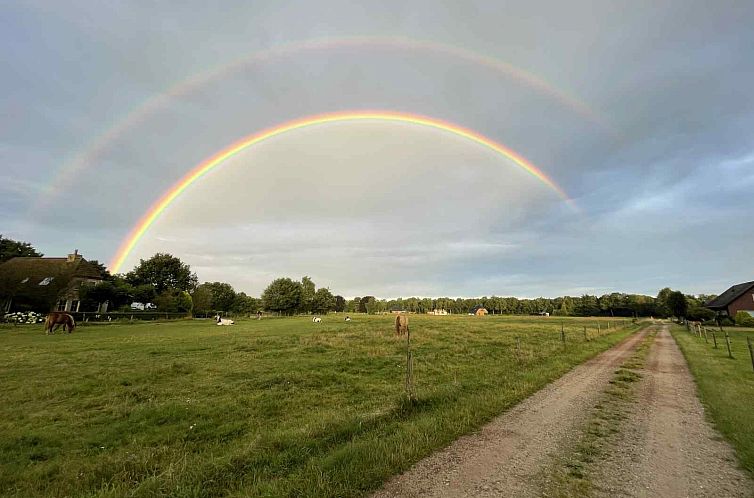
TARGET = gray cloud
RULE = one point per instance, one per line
(361, 208)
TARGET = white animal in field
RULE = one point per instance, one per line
(316, 319)
(223, 321)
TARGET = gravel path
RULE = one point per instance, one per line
(666, 447)
(503, 458)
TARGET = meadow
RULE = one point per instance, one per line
(277, 407)
(726, 385)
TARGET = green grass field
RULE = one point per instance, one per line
(726, 386)
(278, 407)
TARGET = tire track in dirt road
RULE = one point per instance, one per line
(666, 448)
(506, 455)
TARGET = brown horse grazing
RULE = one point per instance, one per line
(56, 319)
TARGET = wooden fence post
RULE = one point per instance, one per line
(727, 341)
(562, 335)
(409, 364)
(751, 350)
(714, 338)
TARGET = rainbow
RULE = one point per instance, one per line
(154, 212)
(90, 154)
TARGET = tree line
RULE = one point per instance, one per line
(167, 283)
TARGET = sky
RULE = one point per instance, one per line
(641, 112)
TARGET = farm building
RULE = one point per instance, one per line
(438, 312)
(740, 297)
(478, 311)
(44, 284)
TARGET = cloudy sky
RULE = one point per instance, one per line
(642, 112)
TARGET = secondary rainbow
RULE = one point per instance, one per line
(89, 156)
(212, 162)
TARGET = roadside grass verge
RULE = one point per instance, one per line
(726, 386)
(265, 408)
(571, 473)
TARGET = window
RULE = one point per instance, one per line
(46, 281)
(25, 280)
(61, 305)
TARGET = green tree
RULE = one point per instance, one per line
(174, 301)
(223, 296)
(340, 304)
(307, 295)
(10, 248)
(144, 294)
(117, 293)
(661, 304)
(283, 296)
(164, 272)
(202, 298)
(353, 305)
(587, 306)
(743, 319)
(366, 304)
(246, 304)
(323, 301)
(677, 304)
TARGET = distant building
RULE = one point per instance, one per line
(441, 312)
(478, 311)
(738, 298)
(44, 284)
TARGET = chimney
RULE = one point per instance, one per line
(74, 257)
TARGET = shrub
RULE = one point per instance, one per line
(744, 319)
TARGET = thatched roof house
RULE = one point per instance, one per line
(44, 284)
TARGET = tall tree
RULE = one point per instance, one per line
(366, 304)
(164, 272)
(202, 299)
(10, 248)
(283, 296)
(246, 304)
(323, 301)
(340, 304)
(662, 305)
(174, 301)
(144, 294)
(307, 294)
(677, 304)
(223, 296)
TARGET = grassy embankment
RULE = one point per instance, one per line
(726, 386)
(274, 407)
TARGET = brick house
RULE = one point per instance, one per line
(44, 284)
(738, 298)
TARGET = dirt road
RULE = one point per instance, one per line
(667, 448)
(672, 451)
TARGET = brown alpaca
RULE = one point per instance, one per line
(401, 324)
(56, 319)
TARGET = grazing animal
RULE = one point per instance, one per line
(401, 324)
(348, 318)
(224, 321)
(56, 319)
(316, 319)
